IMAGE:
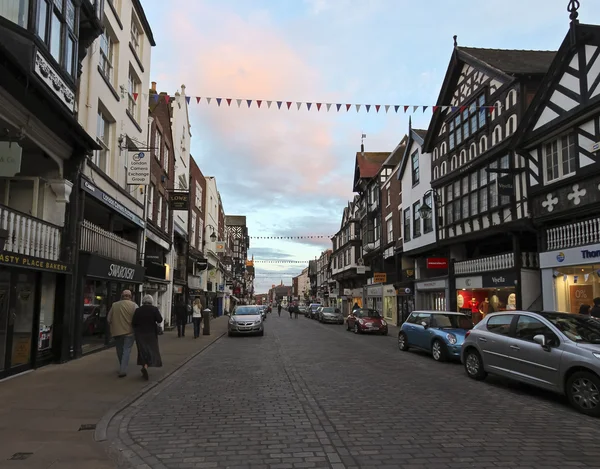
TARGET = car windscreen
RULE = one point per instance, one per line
(246, 311)
(368, 313)
(578, 328)
(328, 310)
(452, 321)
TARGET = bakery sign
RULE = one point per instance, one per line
(37, 263)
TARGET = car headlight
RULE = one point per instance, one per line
(258, 321)
(232, 321)
(383, 323)
(596, 354)
(451, 338)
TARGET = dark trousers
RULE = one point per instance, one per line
(181, 327)
(197, 322)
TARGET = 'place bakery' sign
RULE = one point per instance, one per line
(28, 262)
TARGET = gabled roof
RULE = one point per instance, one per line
(503, 64)
(414, 135)
(367, 165)
(396, 155)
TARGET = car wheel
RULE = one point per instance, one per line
(348, 325)
(438, 350)
(474, 365)
(230, 334)
(261, 333)
(583, 391)
(402, 341)
(356, 329)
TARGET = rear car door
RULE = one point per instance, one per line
(495, 342)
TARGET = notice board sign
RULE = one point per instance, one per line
(580, 295)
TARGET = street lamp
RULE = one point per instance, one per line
(425, 210)
(213, 236)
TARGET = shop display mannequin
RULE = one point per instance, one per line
(511, 303)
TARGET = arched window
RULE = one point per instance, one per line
(436, 172)
(472, 151)
(483, 145)
(443, 149)
(453, 163)
(511, 99)
(463, 157)
(435, 154)
(497, 135)
(511, 125)
(444, 168)
(497, 111)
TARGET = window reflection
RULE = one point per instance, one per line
(15, 11)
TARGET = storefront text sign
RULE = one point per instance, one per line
(389, 290)
(138, 168)
(10, 159)
(431, 285)
(379, 277)
(466, 283)
(497, 280)
(572, 256)
(112, 203)
(506, 185)
(111, 269)
(361, 270)
(179, 200)
(580, 295)
(19, 260)
(375, 291)
(437, 263)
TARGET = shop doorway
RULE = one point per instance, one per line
(406, 305)
(18, 291)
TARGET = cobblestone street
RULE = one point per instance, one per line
(310, 395)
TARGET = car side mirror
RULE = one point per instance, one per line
(541, 339)
(424, 324)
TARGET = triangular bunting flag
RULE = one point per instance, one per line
(318, 106)
(155, 96)
(259, 102)
(279, 103)
(454, 108)
(299, 104)
(377, 106)
(415, 108)
(228, 101)
(435, 108)
(348, 106)
(198, 98)
(288, 103)
(308, 105)
(135, 95)
(208, 100)
(357, 107)
(463, 108)
(219, 101)
(396, 108)
(328, 106)
(405, 109)
(187, 99)
(239, 102)
(269, 104)
(338, 107)
(368, 106)
(167, 99)
(425, 108)
(249, 101)
(387, 108)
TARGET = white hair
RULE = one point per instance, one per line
(148, 300)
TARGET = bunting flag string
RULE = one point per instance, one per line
(321, 106)
(293, 237)
(279, 261)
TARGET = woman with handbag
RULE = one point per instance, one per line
(145, 322)
(197, 317)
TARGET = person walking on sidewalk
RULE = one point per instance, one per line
(197, 317)
(145, 327)
(181, 316)
(279, 309)
(119, 318)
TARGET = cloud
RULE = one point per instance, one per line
(269, 253)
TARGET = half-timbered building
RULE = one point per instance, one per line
(483, 224)
(559, 146)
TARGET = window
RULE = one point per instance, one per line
(198, 196)
(415, 167)
(167, 224)
(482, 111)
(528, 327)
(511, 125)
(158, 145)
(436, 172)
(428, 222)
(453, 163)
(166, 159)
(451, 137)
(463, 157)
(467, 122)
(483, 144)
(435, 154)
(56, 25)
(497, 135)
(159, 212)
(500, 324)
(416, 219)
(474, 204)
(193, 229)
(472, 151)
(133, 89)
(376, 229)
(389, 198)
(559, 158)
(390, 231)
(151, 202)
(511, 99)
(135, 36)
(444, 169)
(407, 224)
(107, 48)
(200, 228)
(101, 157)
(15, 11)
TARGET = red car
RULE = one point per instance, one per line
(366, 320)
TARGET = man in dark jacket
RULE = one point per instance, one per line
(181, 314)
(595, 311)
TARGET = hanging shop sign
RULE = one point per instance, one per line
(37, 263)
(408, 274)
(111, 269)
(506, 185)
(379, 277)
(109, 201)
(437, 263)
(467, 283)
(497, 280)
(138, 168)
(201, 265)
(179, 200)
(361, 270)
(10, 159)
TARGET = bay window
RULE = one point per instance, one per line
(56, 25)
(15, 11)
(469, 120)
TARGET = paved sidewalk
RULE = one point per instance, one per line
(42, 412)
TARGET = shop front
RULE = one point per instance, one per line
(101, 282)
(156, 282)
(570, 278)
(28, 301)
(389, 304)
(356, 296)
(374, 297)
(432, 294)
(479, 295)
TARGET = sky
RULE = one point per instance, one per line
(290, 172)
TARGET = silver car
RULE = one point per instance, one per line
(555, 351)
(246, 320)
(330, 314)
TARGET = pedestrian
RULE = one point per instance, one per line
(290, 310)
(119, 318)
(279, 309)
(197, 317)
(181, 316)
(145, 326)
(595, 311)
(584, 309)
(296, 311)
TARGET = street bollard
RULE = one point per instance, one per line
(206, 317)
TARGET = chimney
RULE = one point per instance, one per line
(154, 87)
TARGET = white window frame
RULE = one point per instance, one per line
(135, 36)
(159, 212)
(101, 158)
(390, 230)
(560, 161)
(107, 55)
(193, 229)
(150, 213)
(133, 87)
(199, 195)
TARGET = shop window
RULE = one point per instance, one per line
(576, 286)
(500, 324)
(48, 288)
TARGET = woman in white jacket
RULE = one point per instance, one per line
(197, 317)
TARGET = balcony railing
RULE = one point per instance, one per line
(498, 262)
(573, 234)
(29, 235)
(98, 240)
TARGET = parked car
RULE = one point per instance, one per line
(313, 309)
(302, 310)
(366, 320)
(307, 312)
(555, 351)
(329, 314)
(246, 320)
(263, 312)
(440, 333)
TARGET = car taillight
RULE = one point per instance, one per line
(467, 334)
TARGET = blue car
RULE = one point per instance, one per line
(440, 333)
